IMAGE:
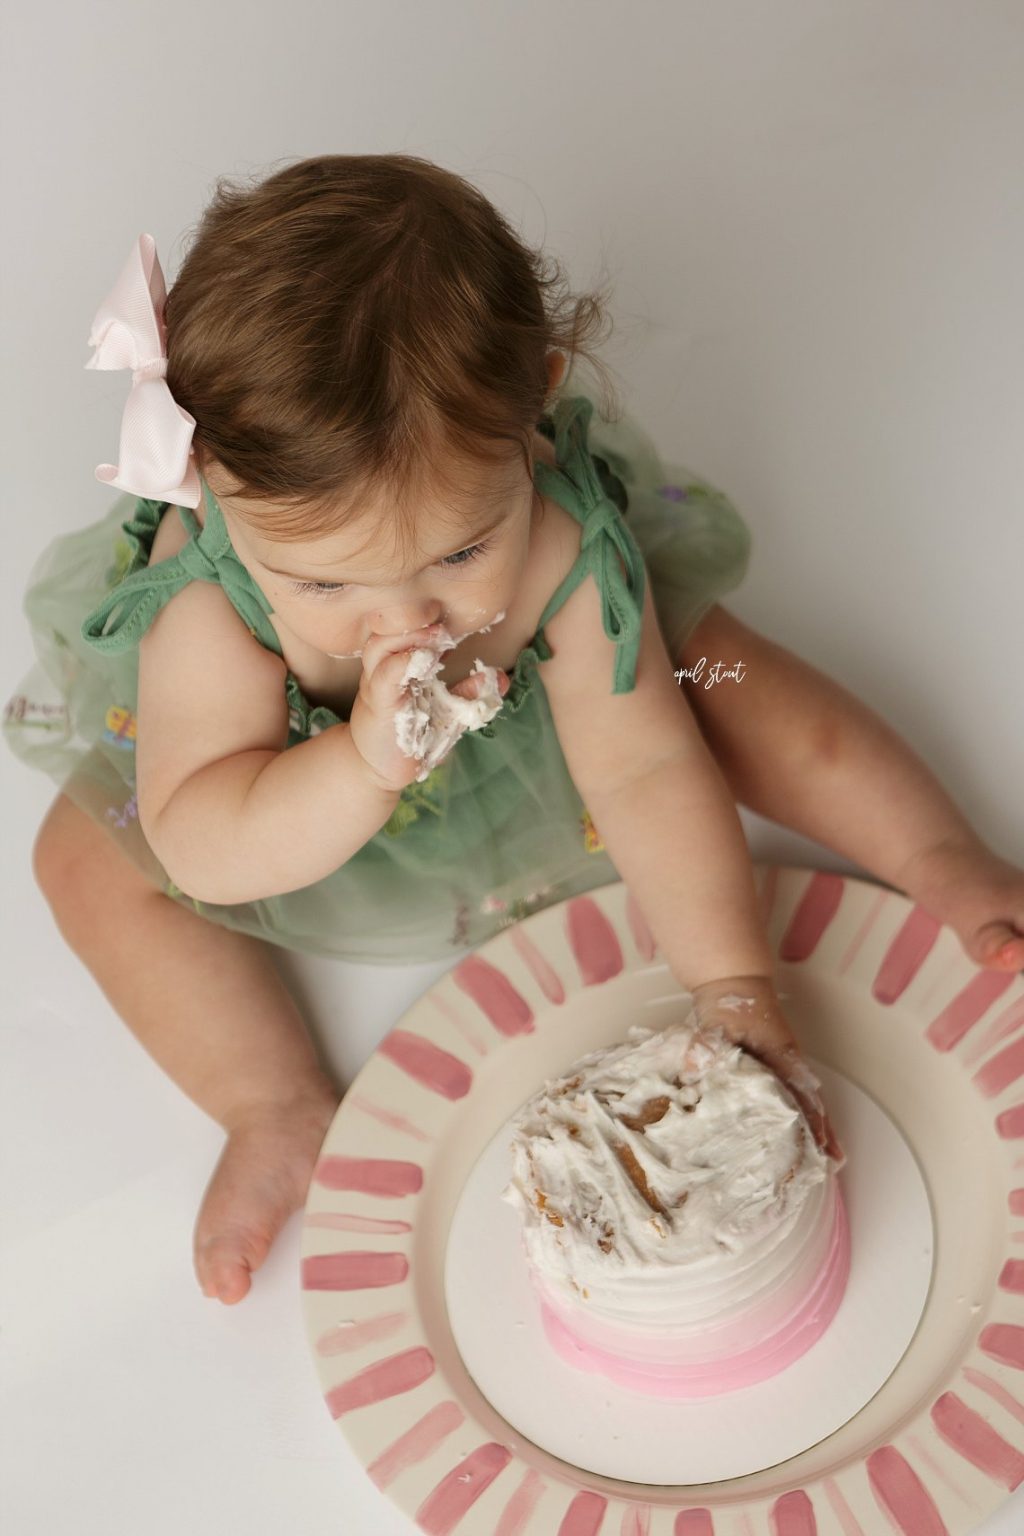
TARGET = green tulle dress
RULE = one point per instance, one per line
(498, 828)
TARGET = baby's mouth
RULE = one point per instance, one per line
(483, 628)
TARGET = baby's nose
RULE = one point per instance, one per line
(402, 622)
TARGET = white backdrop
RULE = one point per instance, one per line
(814, 217)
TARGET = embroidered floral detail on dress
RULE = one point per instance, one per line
(119, 727)
(518, 908)
(591, 837)
(123, 556)
(130, 812)
(417, 799)
(170, 889)
(46, 717)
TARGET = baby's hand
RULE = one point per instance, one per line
(381, 694)
(754, 1020)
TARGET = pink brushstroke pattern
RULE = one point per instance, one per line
(419, 1442)
(386, 1117)
(901, 1495)
(593, 941)
(643, 939)
(793, 1515)
(494, 994)
(515, 1517)
(387, 1177)
(851, 1526)
(936, 1468)
(855, 945)
(353, 1271)
(454, 1018)
(538, 965)
(1015, 1201)
(814, 912)
(348, 1221)
(585, 1514)
(977, 1442)
(636, 1520)
(1004, 1024)
(995, 1390)
(964, 1010)
(385, 1378)
(446, 1504)
(352, 1335)
(1005, 1068)
(1010, 1124)
(1003, 1342)
(905, 956)
(427, 1063)
(693, 1522)
(1011, 1277)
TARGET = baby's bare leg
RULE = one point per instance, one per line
(802, 750)
(797, 747)
(211, 1009)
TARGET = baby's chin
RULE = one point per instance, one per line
(457, 637)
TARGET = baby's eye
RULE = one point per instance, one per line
(325, 588)
(463, 555)
(319, 588)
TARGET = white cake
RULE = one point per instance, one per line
(683, 1232)
(432, 718)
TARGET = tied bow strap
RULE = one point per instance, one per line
(128, 331)
(209, 555)
(605, 537)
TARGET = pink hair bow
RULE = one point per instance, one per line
(128, 331)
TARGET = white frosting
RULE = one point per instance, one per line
(737, 1191)
(432, 718)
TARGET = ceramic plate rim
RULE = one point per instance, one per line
(403, 1401)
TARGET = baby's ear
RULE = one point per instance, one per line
(557, 362)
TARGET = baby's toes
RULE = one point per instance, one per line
(999, 944)
(225, 1262)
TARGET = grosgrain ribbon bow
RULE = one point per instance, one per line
(128, 331)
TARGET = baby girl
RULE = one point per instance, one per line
(351, 436)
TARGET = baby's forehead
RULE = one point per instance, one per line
(379, 541)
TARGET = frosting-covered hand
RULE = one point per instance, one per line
(748, 1011)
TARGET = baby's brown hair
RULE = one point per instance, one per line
(357, 320)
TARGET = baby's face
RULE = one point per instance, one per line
(336, 591)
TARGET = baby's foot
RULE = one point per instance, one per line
(262, 1177)
(978, 894)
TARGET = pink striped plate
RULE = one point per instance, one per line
(876, 989)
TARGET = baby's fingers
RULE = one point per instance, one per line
(381, 649)
(469, 687)
(794, 1073)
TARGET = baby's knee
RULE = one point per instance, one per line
(75, 863)
(54, 851)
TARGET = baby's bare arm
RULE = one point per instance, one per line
(231, 811)
(656, 796)
(261, 823)
(676, 839)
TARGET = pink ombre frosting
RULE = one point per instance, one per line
(683, 1232)
(622, 1358)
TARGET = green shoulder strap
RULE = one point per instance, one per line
(133, 603)
(576, 486)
